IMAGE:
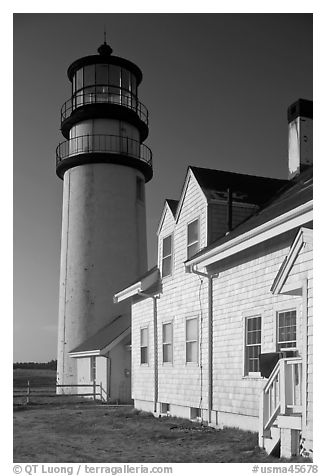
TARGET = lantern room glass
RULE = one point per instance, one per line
(102, 82)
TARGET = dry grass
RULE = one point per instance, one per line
(101, 434)
(51, 430)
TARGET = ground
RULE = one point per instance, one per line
(56, 431)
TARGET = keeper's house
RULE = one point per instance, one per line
(222, 327)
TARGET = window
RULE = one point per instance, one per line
(195, 413)
(144, 345)
(89, 75)
(93, 369)
(167, 256)
(79, 79)
(140, 189)
(252, 344)
(165, 407)
(192, 238)
(192, 340)
(102, 73)
(286, 329)
(167, 342)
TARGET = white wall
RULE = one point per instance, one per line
(242, 289)
(103, 249)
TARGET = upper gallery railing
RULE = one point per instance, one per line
(104, 95)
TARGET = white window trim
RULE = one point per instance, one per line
(288, 305)
(140, 346)
(199, 235)
(197, 340)
(172, 255)
(254, 313)
(170, 362)
(92, 369)
(277, 313)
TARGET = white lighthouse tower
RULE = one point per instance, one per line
(104, 166)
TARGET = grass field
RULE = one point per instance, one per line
(97, 433)
(37, 377)
(42, 381)
(56, 432)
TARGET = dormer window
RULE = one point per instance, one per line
(167, 256)
(192, 238)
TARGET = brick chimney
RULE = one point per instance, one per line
(300, 136)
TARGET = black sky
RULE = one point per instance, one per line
(217, 87)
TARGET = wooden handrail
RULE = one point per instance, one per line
(272, 377)
(279, 393)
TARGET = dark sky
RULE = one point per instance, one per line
(217, 87)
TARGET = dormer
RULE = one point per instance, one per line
(212, 203)
(165, 235)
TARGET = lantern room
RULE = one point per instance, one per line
(103, 114)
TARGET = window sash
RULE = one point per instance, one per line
(252, 344)
(191, 351)
(144, 345)
(167, 353)
(167, 339)
(286, 329)
(191, 329)
(92, 369)
(167, 256)
(144, 337)
(144, 355)
(192, 238)
(192, 340)
(102, 73)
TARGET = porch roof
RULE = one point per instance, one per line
(104, 339)
(146, 283)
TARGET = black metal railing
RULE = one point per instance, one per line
(103, 143)
(109, 96)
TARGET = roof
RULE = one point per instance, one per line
(173, 204)
(146, 283)
(303, 236)
(295, 193)
(105, 336)
(142, 277)
(245, 188)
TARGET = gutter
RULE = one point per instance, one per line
(210, 278)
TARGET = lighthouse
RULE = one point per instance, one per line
(104, 165)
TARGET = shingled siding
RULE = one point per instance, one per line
(142, 383)
(242, 291)
(180, 382)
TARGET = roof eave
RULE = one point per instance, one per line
(138, 287)
(85, 353)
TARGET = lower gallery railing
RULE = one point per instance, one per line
(103, 143)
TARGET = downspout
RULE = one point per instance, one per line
(210, 278)
(155, 345)
(304, 354)
(108, 387)
(230, 209)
